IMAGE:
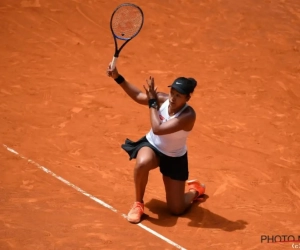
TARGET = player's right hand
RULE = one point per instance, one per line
(113, 73)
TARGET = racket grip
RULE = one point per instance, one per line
(113, 63)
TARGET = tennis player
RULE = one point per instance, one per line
(164, 146)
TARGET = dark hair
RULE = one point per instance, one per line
(193, 83)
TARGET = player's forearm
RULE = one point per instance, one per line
(132, 91)
(154, 119)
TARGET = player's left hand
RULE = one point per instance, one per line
(151, 90)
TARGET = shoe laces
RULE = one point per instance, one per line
(137, 207)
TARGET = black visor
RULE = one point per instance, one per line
(182, 85)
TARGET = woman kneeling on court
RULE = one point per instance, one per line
(164, 146)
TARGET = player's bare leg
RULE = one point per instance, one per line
(146, 160)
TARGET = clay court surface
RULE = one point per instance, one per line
(59, 109)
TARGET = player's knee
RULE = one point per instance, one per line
(143, 163)
(176, 210)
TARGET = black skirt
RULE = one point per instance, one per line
(132, 148)
(174, 167)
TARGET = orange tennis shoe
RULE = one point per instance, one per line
(136, 212)
(198, 187)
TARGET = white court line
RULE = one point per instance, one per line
(91, 196)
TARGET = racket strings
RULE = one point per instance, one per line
(127, 22)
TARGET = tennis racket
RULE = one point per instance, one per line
(125, 23)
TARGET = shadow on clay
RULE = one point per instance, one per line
(199, 217)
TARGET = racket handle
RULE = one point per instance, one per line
(113, 63)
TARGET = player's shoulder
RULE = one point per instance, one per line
(190, 111)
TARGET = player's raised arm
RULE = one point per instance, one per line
(132, 91)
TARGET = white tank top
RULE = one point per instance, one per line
(173, 144)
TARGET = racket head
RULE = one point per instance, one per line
(126, 21)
